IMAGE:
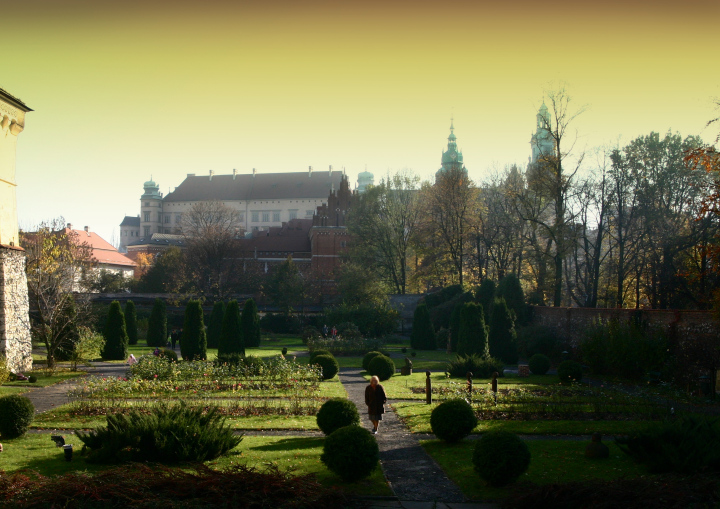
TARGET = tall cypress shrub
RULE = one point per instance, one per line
(473, 334)
(502, 338)
(455, 326)
(231, 340)
(215, 325)
(193, 345)
(131, 322)
(485, 295)
(115, 334)
(510, 289)
(423, 333)
(157, 325)
(250, 324)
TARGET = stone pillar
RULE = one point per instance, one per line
(15, 343)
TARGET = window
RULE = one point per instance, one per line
(342, 243)
(255, 217)
(167, 218)
(147, 231)
(146, 217)
(266, 217)
(276, 217)
(293, 214)
(309, 213)
(241, 217)
(147, 203)
(178, 217)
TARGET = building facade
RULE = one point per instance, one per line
(15, 342)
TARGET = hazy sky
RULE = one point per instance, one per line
(126, 90)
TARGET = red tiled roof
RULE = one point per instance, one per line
(102, 251)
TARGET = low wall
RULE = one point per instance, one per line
(570, 323)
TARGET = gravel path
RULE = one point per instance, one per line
(410, 471)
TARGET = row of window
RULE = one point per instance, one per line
(256, 216)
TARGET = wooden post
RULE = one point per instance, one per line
(469, 386)
(428, 388)
(494, 386)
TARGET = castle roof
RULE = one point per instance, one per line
(131, 221)
(258, 186)
(102, 251)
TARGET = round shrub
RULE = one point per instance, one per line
(368, 357)
(169, 354)
(315, 353)
(328, 364)
(453, 420)
(500, 457)
(539, 364)
(337, 413)
(382, 367)
(32, 379)
(569, 371)
(351, 452)
(16, 414)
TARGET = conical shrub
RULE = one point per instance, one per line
(231, 340)
(193, 345)
(115, 334)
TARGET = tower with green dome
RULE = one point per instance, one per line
(452, 158)
(151, 203)
(541, 142)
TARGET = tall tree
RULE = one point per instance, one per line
(215, 324)
(285, 286)
(383, 221)
(58, 263)
(157, 325)
(131, 322)
(168, 273)
(231, 334)
(250, 324)
(193, 345)
(115, 334)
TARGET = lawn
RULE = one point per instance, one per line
(553, 461)
(44, 378)
(299, 455)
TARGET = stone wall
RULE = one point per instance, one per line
(15, 342)
(570, 323)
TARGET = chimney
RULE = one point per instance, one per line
(211, 174)
(234, 173)
(309, 171)
(87, 228)
(330, 172)
(190, 174)
(253, 172)
(69, 226)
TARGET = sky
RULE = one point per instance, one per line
(126, 91)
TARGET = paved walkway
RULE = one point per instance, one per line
(411, 473)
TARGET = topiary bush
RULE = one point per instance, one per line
(16, 415)
(423, 333)
(337, 413)
(231, 335)
(131, 322)
(169, 354)
(157, 325)
(382, 367)
(193, 345)
(315, 353)
(351, 452)
(169, 434)
(214, 325)
(569, 371)
(473, 333)
(500, 457)
(539, 364)
(115, 334)
(368, 357)
(250, 323)
(478, 366)
(329, 365)
(453, 420)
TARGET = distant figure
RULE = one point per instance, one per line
(325, 331)
(375, 400)
(131, 360)
(334, 332)
(173, 338)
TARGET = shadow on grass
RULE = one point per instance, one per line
(293, 443)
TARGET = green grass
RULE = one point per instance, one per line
(553, 461)
(299, 455)
(45, 378)
(416, 416)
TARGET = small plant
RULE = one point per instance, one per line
(500, 457)
(337, 413)
(539, 364)
(351, 452)
(478, 366)
(329, 365)
(569, 371)
(169, 434)
(368, 357)
(453, 420)
(16, 415)
(32, 379)
(382, 367)
(5, 373)
(169, 354)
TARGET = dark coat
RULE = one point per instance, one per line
(375, 399)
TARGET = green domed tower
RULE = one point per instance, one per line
(151, 209)
(541, 142)
(452, 158)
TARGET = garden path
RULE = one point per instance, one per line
(412, 474)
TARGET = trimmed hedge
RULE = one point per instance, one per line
(368, 357)
(337, 413)
(351, 452)
(321, 351)
(329, 365)
(539, 364)
(382, 367)
(16, 414)
(453, 420)
(500, 457)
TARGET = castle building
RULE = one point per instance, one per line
(452, 158)
(262, 200)
(15, 343)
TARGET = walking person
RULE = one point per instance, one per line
(375, 400)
